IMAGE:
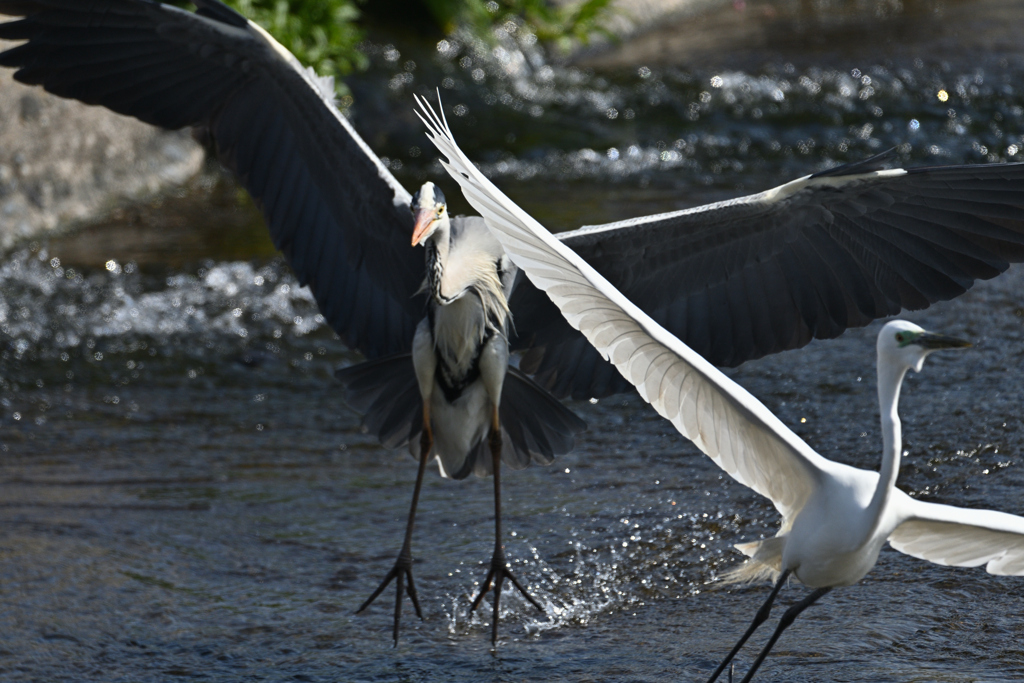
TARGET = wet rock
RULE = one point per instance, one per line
(31, 107)
(63, 163)
(633, 17)
(736, 33)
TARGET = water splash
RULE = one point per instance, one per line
(46, 307)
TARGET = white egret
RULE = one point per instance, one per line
(835, 518)
(735, 280)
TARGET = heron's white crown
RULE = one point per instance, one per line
(429, 210)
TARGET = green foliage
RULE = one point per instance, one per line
(554, 23)
(321, 33)
(324, 33)
(558, 23)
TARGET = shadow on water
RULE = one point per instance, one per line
(210, 219)
(183, 494)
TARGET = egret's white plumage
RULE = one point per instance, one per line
(836, 518)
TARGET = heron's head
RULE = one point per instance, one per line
(429, 210)
(906, 345)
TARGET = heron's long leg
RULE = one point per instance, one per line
(499, 565)
(403, 565)
(788, 617)
(759, 618)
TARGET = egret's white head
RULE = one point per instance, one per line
(906, 345)
(429, 210)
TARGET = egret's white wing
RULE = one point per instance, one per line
(720, 417)
(961, 537)
(760, 274)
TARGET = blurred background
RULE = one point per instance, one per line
(183, 492)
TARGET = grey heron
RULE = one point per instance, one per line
(469, 398)
(835, 518)
(735, 280)
(440, 383)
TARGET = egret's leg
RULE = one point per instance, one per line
(759, 618)
(499, 566)
(788, 618)
(403, 565)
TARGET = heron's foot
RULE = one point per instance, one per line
(495, 578)
(401, 572)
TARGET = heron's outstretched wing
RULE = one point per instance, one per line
(756, 275)
(719, 416)
(961, 537)
(338, 215)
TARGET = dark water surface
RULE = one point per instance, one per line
(183, 495)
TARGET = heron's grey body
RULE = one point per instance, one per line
(460, 363)
(460, 350)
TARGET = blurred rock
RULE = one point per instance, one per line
(742, 33)
(62, 162)
(630, 18)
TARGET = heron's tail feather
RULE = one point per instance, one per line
(535, 424)
(751, 571)
(765, 562)
(385, 391)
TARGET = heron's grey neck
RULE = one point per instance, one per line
(890, 379)
(438, 247)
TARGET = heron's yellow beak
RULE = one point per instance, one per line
(425, 219)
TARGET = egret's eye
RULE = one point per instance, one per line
(899, 337)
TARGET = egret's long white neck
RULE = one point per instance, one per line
(890, 379)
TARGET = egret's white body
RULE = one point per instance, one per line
(835, 518)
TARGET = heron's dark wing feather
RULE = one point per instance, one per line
(538, 426)
(761, 274)
(385, 391)
(338, 215)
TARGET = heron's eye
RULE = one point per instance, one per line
(899, 337)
